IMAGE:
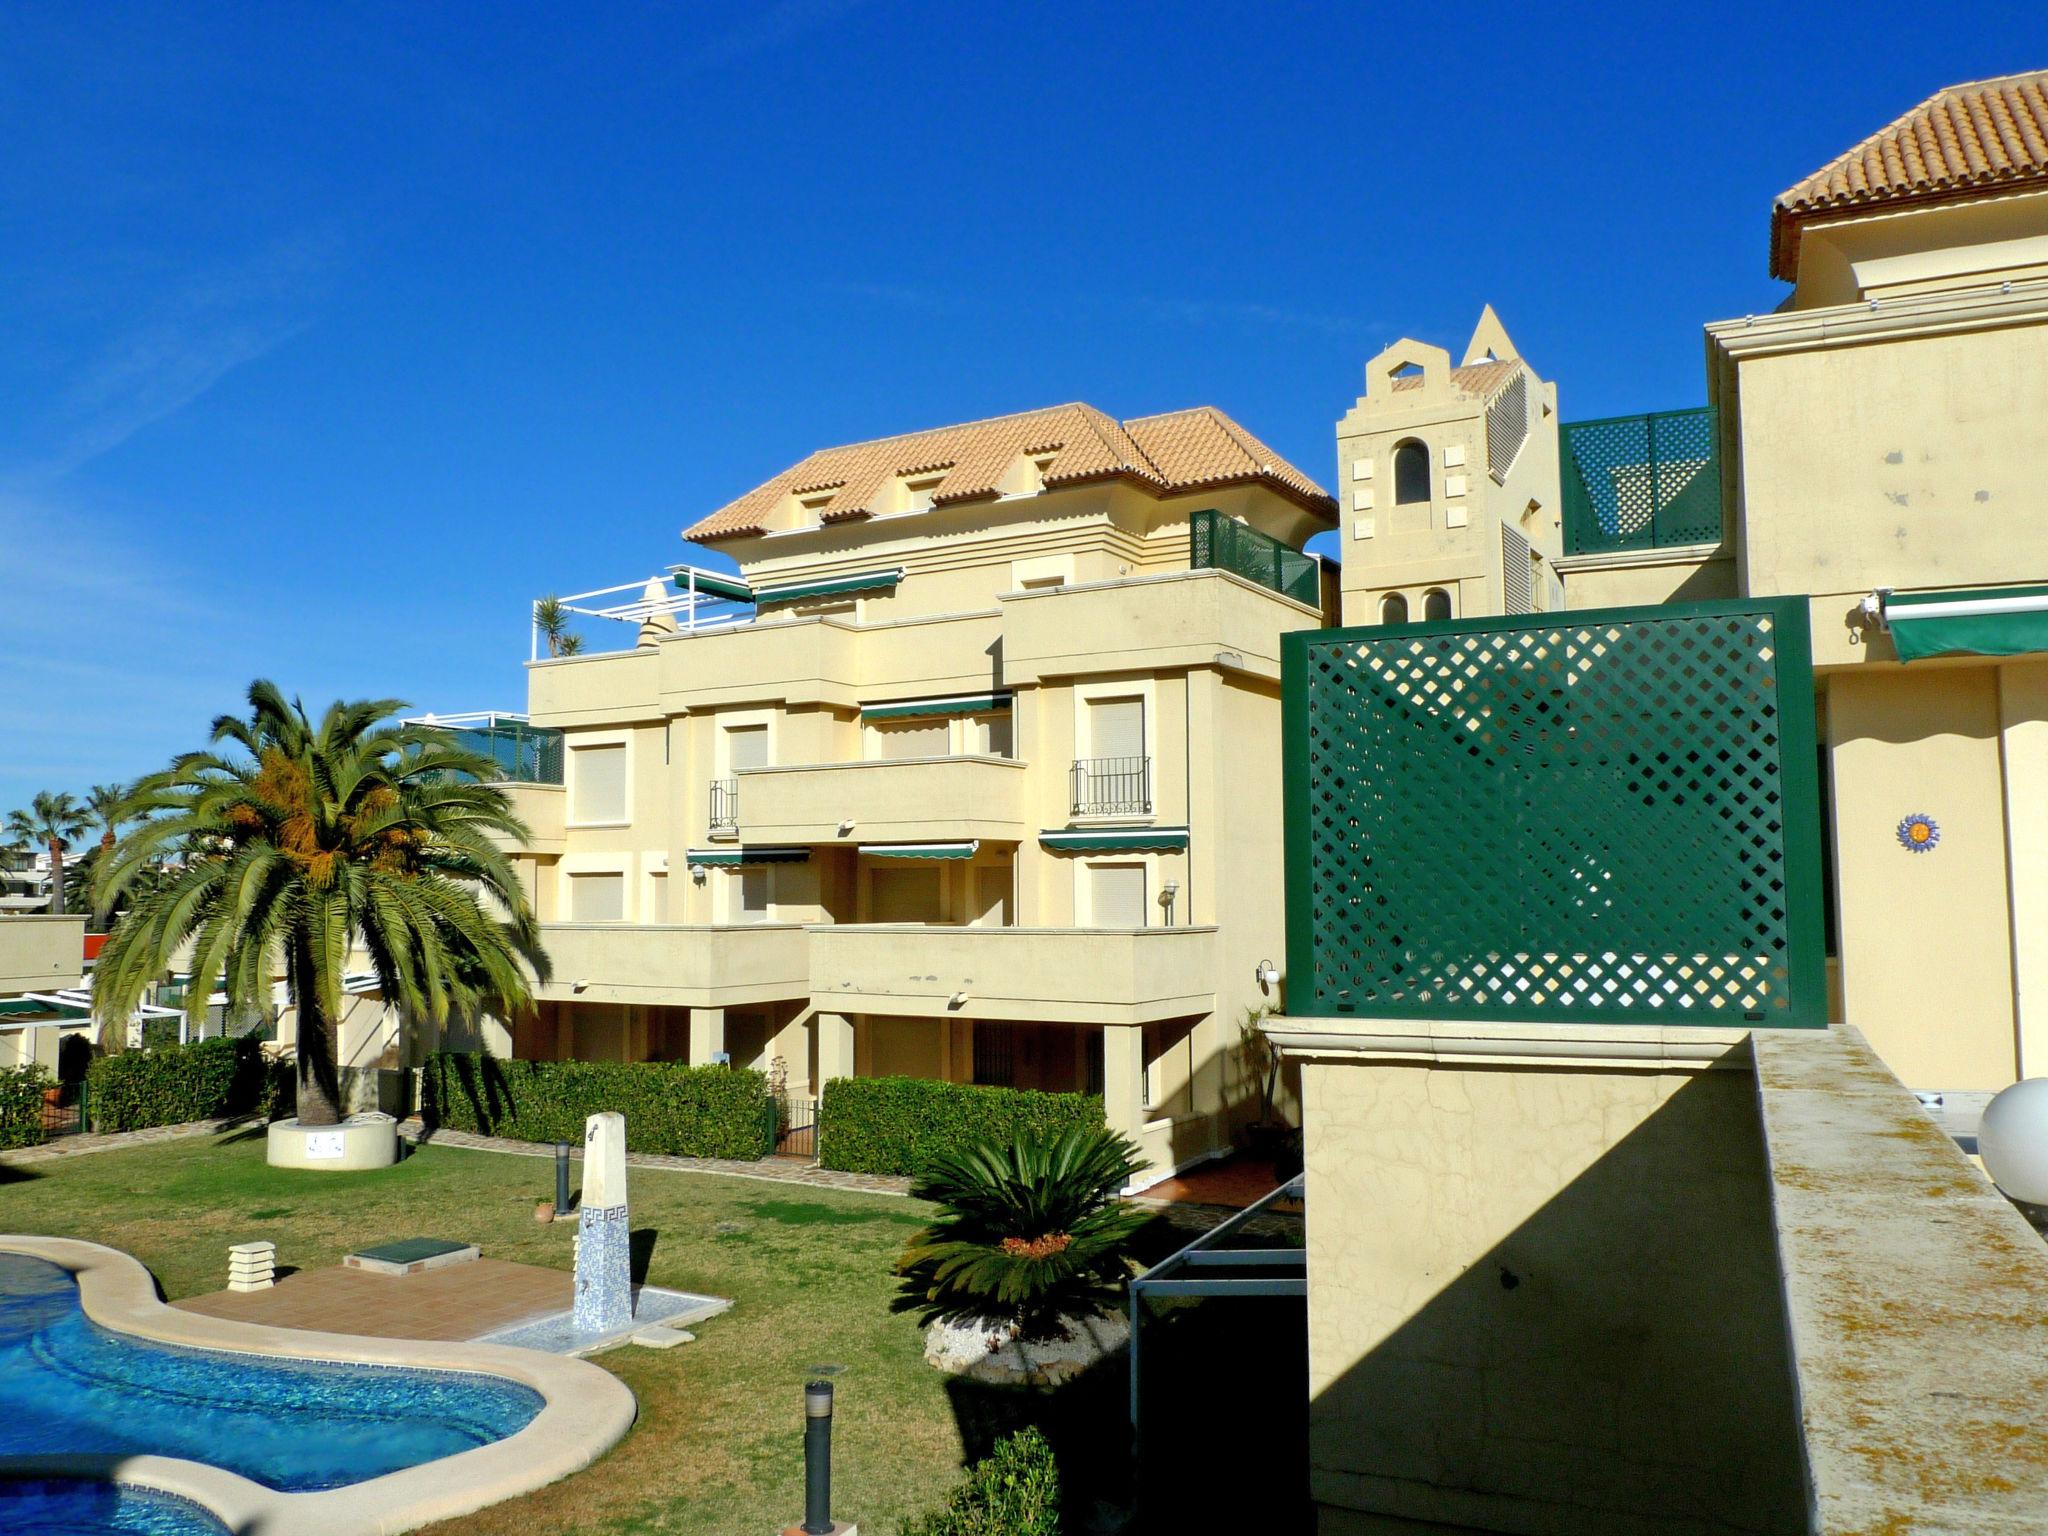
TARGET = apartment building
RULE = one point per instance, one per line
(972, 774)
(41, 957)
(1874, 445)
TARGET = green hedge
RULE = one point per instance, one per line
(898, 1124)
(21, 1105)
(1012, 1491)
(131, 1090)
(683, 1111)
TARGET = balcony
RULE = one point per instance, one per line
(1047, 975)
(41, 954)
(691, 966)
(1220, 543)
(543, 807)
(1641, 482)
(724, 819)
(918, 799)
(1111, 786)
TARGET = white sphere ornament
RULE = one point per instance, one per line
(2013, 1140)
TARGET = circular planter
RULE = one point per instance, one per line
(989, 1350)
(361, 1141)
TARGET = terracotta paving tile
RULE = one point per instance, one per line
(461, 1301)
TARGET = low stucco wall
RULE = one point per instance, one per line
(1543, 1298)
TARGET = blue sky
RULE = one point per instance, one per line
(333, 335)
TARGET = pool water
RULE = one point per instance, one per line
(66, 1507)
(68, 1385)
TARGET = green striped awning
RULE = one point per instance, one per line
(963, 704)
(27, 1009)
(918, 850)
(717, 586)
(1973, 621)
(866, 581)
(725, 856)
(1114, 839)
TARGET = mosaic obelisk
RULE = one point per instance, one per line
(604, 1278)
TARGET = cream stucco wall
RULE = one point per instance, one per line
(1543, 1299)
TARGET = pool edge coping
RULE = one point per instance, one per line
(585, 1411)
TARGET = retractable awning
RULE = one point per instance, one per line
(918, 850)
(22, 1010)
(1971, 621)
(727, 856)
(1115, 839)
(962, 704)
(689, 579)
(866, 581)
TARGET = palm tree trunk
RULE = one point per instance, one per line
(56, 878)
(319, 1085)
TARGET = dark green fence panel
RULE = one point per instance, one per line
(1611, 818)
(1220, 543)
(1641, 482)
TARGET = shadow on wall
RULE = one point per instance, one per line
(1617, 1364)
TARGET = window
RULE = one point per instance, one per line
(1116, 728)
(746, 746)
(992, 896)
(1116, 895)
(1411, 473)
(657, 906)
(917, 493)
(1394, 608)
(914, 738)
(752, 893)
(1436, 604)
(597, 898)
(905, 896)
(599, 777)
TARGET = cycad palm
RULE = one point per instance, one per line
(1031, 1232)
(310, 840)
(55, 821)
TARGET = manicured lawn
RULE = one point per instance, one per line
(718, 1446)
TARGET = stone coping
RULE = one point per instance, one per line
(1916, 1298)
(1638, 1043)
(585, 1410)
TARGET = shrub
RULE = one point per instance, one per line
(900, 1124)
(683, 1111)
(131, 1090)
(1012, 1491)
(21, 1105)
(1031, 1232)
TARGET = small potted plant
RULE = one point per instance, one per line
(1269, 1136)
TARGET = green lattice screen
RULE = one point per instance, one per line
(1641, 482)
(1606, 819)
(1224, 544)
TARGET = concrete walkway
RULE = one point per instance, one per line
(114, 1141)
(773, 1170)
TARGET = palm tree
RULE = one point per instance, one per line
(553, 621)
(1030, 1233)
(55, 821)
(306, 842)
(104, 802)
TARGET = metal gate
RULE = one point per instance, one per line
(1611, 817)
(796, 1126)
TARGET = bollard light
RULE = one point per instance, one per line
(561, 1179)
(818, 1458)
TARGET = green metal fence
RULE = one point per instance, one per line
(1220, 543)
(1611, 818)
(1641, 482)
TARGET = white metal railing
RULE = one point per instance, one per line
(675, 595)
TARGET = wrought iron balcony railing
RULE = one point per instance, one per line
(1641, 482)
(725, 806)
(1112, 786)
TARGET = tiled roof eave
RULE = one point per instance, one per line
(1789, 223)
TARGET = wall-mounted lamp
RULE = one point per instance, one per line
(1167, 892)
(845, 826)
(1267, 975)
(579, 984)
(957, 1000)
(698, 873)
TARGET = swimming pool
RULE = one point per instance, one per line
(69, 1386)
(73, 1507)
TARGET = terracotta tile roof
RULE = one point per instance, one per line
(1982, 136)
(1180, 451)
(1481, 379)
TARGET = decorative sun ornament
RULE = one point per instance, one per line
(1918, 833)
